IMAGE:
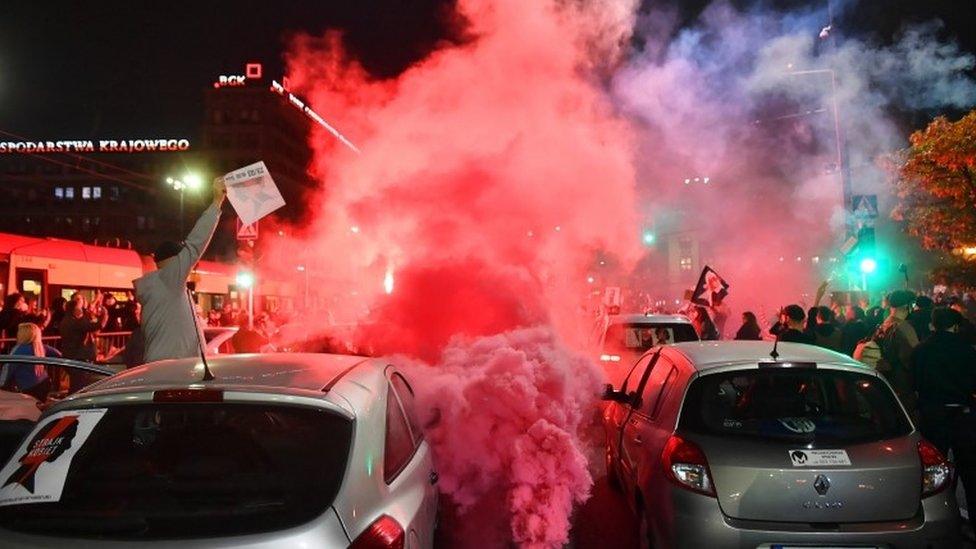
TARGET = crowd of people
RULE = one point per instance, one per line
(924, 346)
(75, 322)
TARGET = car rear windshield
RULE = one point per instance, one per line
(641, 337)
(195, 470)
(814, 405)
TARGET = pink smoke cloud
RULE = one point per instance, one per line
(511, 410)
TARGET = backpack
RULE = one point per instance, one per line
(874, 351)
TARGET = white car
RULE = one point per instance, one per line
(626, 337)
(281, 450)
(217, 336)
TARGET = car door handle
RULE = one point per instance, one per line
(433, 477)
(638, 440)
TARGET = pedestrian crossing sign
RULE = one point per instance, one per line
(865, 205)
(247, 232)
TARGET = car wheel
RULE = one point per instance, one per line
(612, 479)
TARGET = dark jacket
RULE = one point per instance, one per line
(247, 340)
(749, 332)
(944, 368)
(792, 335)
(897, 340)
(10, 319)
(828, 336)
(78, 337)
(852, 333)
(967, 331)
(920, 320)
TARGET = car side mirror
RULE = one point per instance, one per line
(613, 395)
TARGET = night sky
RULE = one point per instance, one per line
(138, 69)
(108, 68)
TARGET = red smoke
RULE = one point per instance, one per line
(491, 175)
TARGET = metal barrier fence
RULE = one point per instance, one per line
(108, 345)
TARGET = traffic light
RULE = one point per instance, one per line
(868, 265)
(649, 238)
(866, 251)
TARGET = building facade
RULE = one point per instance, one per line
(114, 191)
(116, 198)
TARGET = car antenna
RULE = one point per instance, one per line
(207, 374)
(774, 354)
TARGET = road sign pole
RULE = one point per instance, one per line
(250, 308)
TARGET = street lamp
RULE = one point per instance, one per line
(302, 269)
(245, 279)
(190, 181)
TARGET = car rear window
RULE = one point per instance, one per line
(195, 470)
(814, 405)
(641, 337)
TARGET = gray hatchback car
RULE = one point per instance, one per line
(716, 444)
(269, 450)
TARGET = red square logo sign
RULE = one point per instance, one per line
(253, 70)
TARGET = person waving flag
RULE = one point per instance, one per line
(711, 289)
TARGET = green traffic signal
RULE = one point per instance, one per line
(868, 265)
(649, 238)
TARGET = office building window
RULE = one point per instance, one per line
(69, 193)
(86, 193)
(96, 192)
(59, 193)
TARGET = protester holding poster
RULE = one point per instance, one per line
(168, 323)
(709, 296)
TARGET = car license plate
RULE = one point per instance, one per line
(819, 458)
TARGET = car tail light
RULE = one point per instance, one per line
(610, 358)
(188, 395)
(936, 469)
(384, 533)
(685, 464)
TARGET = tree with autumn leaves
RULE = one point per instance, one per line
(935, 180)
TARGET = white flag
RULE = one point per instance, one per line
(252, 192)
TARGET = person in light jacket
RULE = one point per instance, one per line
(169, 324)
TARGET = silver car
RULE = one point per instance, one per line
(283, 450)
(717, 444)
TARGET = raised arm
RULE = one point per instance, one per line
(175, 272)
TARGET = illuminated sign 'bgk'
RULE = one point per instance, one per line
(102, 145)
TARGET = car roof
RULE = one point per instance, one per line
(301, 371)
(649, 319)
(707, 355)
